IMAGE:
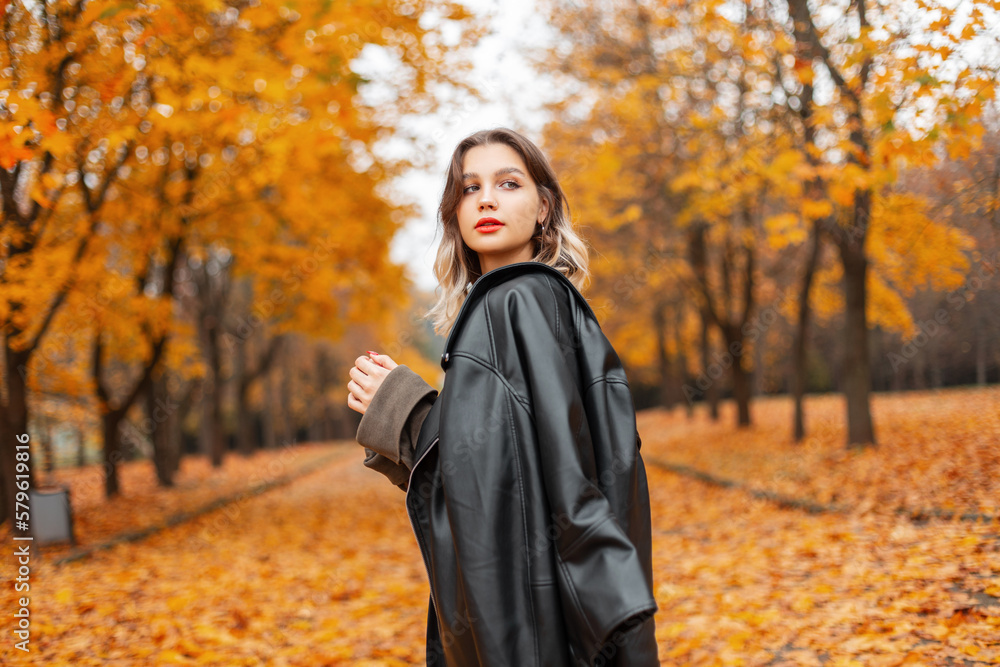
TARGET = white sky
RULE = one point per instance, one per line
(511, 98)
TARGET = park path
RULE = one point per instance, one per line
(326, 571)
(322, 571)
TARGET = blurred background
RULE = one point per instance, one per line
(211, 208)
(215, 207)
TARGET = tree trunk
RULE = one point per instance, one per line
(160, 414)
(741, 392)
(48, 453)
(666, 376)
(81, 448)
(213, 436)
(14, 423)
(205, 419)
(799, 353)
(269, 409)
(246, 430)
(712, 391)
(934, 360)
(323, 418)
(920, 369)
(759, 379)
(218, 435)
(731, 328)
(850, 240)
(742, 380)
(110, 423)
(111, 417)
(244, 422)
(857, 372)
(680, 368)
(177, 435)
(287, 420)
(981, 345)
(244, 442)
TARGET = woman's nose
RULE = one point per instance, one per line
(487, 202)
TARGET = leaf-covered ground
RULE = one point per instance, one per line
(143, 504)
(937, 450)
(326, 571)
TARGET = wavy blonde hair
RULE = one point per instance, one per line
(456, 264)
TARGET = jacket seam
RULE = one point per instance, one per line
(492, 369)
(555, 301)
(604, 379)
(524, 522)
(489, 331)
(577, 316)
(576, 599)
(476, 357)
(624, 616)
(579, 540)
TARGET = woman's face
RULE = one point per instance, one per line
(500, 206)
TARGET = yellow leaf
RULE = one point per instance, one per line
(815, 209)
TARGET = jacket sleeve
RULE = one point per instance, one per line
(389, 428)
(602, 582)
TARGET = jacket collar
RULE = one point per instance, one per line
(496, 277)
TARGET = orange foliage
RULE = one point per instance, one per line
(322, 572)
(938, 450)
(145, 504)
(326, 571)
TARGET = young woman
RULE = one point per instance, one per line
(524, 484)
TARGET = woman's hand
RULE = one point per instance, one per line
(366, 377)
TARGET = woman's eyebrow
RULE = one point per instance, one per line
(498, 172)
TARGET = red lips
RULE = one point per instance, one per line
(487, 225)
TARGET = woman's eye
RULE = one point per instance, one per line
(513, 185)
(469, 188)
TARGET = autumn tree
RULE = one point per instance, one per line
(135, 137)
(735, 83)
(893, 99)
(699, 159)
(65, 85)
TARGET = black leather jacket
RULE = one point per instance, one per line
(528, 495)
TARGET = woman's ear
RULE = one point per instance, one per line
(543, 210)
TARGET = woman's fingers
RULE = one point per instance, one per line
(385, 361)
(354, 404)
(364, 385)
(366, 377)
(358, 390)
(359, 378)
(372, 368)
(358, 374)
